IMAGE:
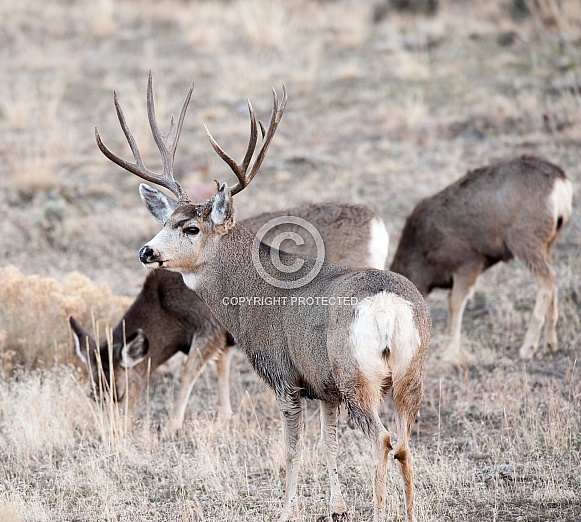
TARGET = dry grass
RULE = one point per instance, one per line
(383, 114)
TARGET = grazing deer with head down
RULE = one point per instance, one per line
(313, 329)
(167, 317)
(511, 209)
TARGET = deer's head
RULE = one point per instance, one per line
(190, 231)
(107, 364)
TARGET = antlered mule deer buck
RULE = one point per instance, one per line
(313, 329)
(510, 209)
(167, 317)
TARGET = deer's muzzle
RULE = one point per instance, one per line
(147, 255)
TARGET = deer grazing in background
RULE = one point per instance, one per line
(321, 331)
(510, 209)
(167, 317)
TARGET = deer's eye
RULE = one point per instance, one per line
(191, 231)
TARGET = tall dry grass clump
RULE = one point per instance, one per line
(34, 319)
(39, 415)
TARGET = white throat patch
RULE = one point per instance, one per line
(191, 280)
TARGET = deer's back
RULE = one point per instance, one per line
(346, 230)
(495, 196)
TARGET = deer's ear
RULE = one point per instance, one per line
(222, 208)
(84, 343)
(135, 349)
(159, 205)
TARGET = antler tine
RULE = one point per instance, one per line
(167, 145)
(275, 117)
(167, 151)
(138, 167)
(252, 141)
(240, 170)
(225, 156)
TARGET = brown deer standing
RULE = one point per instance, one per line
(167, 317)
(330, 333)
(510, 209)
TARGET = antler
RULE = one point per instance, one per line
(240, 170)
(166, 144)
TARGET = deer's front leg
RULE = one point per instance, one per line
(292, 414)
(223, 367)
(462, 287)
(202, 350)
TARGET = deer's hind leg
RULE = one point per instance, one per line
(407, 398)
(553, 316)
(371, 425)
(533, 248)
(329, 417)
(362, 399)
(292, 414)
(545, 306)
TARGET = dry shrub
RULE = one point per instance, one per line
(34, 321)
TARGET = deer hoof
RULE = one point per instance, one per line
(460, 358)
(290, 513)
(526, 352)
(173, 431)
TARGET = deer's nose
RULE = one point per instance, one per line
(146, 254)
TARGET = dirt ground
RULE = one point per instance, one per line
(381, 112)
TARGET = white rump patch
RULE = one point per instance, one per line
(378, 243)
(561, 199)
(384, 321)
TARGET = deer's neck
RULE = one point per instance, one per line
(230, 267)
(228, 275)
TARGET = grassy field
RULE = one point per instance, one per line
(382, 113)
